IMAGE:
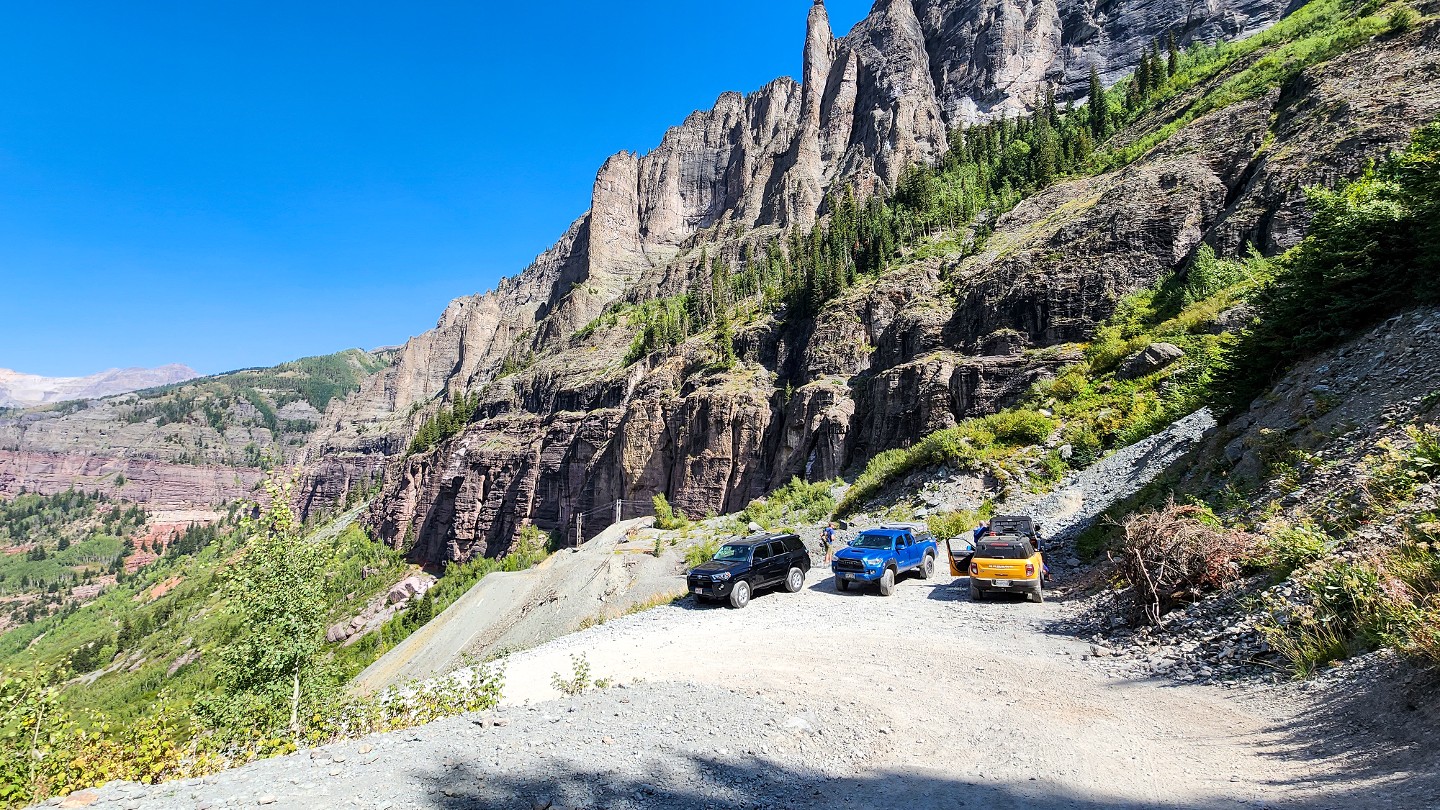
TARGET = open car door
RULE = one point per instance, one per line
(961, 552)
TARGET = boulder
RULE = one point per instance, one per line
(1153, 358)
(408, 589)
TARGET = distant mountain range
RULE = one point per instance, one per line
(19, 390)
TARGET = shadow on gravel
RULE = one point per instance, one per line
(705, 783)
(827, 585)
(906, 580)
(1386, 729)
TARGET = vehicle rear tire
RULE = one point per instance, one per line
(1038, 595)
(927, 567)
(740, 595)
(976, 594)
(887, 582)
(841, 584)
(795, 580)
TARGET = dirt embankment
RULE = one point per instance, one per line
(516, 611)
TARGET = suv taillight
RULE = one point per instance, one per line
(1029, 569)
(974, 570)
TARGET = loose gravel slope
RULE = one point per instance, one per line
(820, 699)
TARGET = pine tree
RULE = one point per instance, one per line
(1099, 114)
(724, 342)
(1173, 65)
(1142, 77)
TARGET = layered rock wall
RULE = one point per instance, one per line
(879, 369)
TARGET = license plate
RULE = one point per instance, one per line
(850, 576)
(698, 590)
(1002, 583)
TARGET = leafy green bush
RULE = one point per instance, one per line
(1069, 385)
(1020, 427)
(666, 516)
(1206, 276)
(798, 502)
(48, 751)
(581, 679)
(1284, 548)
(701, 552)
(1345, 614)
(1402, 20)
(948, 525)
(1425, 458)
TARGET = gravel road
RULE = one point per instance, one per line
(923, 700)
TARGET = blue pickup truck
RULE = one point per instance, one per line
(882, 555)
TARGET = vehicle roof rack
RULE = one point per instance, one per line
(1022, 525)
(902, 527)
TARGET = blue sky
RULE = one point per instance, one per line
(230, 184)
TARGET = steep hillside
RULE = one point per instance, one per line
(198, 443)
(993, 274)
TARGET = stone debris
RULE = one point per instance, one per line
(381, 609)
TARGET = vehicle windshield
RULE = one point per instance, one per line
(874, 541)
(728, 553)
(1004, 550)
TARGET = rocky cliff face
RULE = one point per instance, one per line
(879, 368)
(565, 426)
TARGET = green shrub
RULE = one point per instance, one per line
(1285, 548)
(798, 502)
(666, 516)
(1402, 20)
(580, 681)
(1069, 385)
(950, 525)
(701, 552)
(1020, 427)
(1309, 646)
(1207, 276)
(1346, 612)
(1085, 444)
(1425, 459)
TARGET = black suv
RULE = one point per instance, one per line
(742, 567)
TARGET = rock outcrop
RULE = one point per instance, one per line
(1149, 360)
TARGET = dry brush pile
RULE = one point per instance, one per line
(1171, 556)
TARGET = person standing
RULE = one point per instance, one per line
(981, 530)
(827, 536)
